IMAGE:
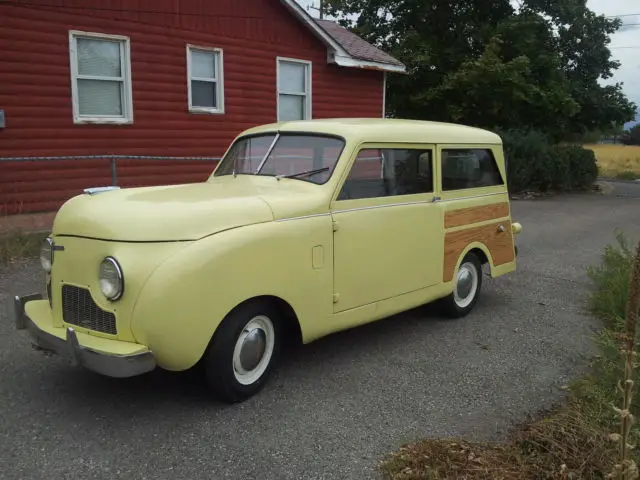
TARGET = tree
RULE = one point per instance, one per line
(631, 136)
(432, 37)
(482, 63)
(582, 44)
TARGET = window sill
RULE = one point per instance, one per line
(102, 121)
(205, 110)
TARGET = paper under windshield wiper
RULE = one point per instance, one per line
(300, 174)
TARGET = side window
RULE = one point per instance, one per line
(469, 168)
(389, 172)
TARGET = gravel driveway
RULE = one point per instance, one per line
(338, 405)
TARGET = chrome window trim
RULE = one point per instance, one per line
(435, 199)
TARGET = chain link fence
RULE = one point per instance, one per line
(112, 159)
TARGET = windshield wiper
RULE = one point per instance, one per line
(300, 174)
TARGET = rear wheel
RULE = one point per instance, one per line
(467, 286)
(243, 352)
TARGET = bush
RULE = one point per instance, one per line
(576, 167)
(535, 164)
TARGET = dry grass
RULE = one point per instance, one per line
(574, 441)
(622, 161)
(567, 444)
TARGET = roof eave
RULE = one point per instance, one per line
(349, 61)
(337, 54)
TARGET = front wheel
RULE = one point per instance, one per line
(467, 286)
(243, 352)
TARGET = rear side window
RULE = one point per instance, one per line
(464, 168)
(389, 172)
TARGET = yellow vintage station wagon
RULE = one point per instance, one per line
(303, 229)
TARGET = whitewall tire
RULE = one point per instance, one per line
(243, 352)
(467, 284)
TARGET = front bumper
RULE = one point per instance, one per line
(124, 360)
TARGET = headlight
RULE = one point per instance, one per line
(111, 279)
(46, 254)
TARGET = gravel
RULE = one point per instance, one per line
(336, 406)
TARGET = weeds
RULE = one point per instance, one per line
(16, 245)
(575, 440)
(626, 468)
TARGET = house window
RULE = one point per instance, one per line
(100, 78)
(205, 79)
(294, 89)
(389, 172)
(469, 168)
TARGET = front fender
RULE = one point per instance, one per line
(190, 293)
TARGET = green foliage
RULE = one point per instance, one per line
(611, 281)
(577, 167)
(535, 164)
(627, 175)
(483, 63)
(632, 136)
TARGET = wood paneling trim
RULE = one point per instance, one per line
(469, 216)
(500, 245)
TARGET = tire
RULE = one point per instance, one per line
(233, 377)
(459, 303)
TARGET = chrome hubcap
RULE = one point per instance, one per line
(253, 350)
(466, 285)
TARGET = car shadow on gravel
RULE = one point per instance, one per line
(162, 390)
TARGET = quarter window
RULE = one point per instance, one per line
(100, 78)
(469, 168)
(389, 172)
(205, 79)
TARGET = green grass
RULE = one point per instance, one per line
(627, 175)
(18, 245)
(570, 442)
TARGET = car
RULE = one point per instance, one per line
(304, 228)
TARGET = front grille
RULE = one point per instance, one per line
(78, 308)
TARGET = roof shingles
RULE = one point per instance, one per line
(354, 45)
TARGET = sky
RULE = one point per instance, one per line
(625, 44)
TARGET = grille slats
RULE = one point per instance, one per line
(78, 308)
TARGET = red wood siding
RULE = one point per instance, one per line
(35, 90)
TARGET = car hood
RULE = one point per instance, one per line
(166, 213)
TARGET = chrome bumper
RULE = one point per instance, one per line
(119, 366)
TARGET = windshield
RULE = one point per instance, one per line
(305, 157)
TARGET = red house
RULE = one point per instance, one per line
(83, 78)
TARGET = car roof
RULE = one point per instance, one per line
(386, 130)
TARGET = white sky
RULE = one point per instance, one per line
(627, 36)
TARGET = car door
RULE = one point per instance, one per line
(388, 235)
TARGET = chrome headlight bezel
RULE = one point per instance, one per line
(117, 283)
(46, 254)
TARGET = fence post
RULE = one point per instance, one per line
(114, 173)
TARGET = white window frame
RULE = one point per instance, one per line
(308, 94)
(125, 68)
(218, 80)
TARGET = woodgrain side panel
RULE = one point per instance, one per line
(500, 245)
(468, 216)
